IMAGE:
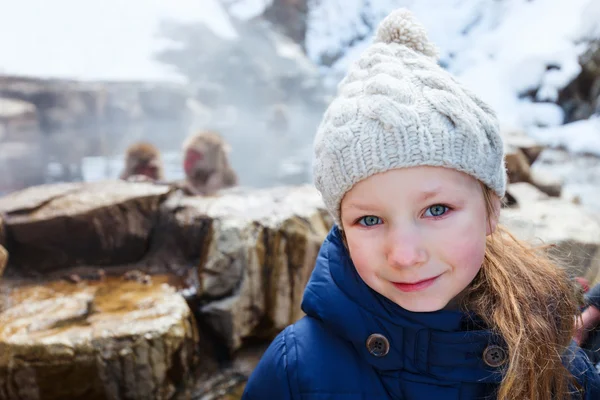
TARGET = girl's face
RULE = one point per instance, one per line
(417, 235)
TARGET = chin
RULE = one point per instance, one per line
(422, 305)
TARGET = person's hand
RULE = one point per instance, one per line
(584, 283)
(590, 318)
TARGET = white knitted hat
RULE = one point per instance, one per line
(395, 108)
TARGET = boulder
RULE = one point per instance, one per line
(18, 119)
(112, 339)
(541, 219)
(577, 174)
(51, 227)
(290, 16)
(244, 255)
(518, 139)
(253, 252)
(240, 258)
(3, 259)
(521, 152)
(581, 97)
(517, 165)
(3, 251)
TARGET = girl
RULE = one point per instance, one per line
(417, 292)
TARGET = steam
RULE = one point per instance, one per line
(234, 77)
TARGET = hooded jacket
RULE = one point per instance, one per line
(354, 344)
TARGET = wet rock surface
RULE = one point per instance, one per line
(251, 252)
(114, 339)
(139, 253)
(52, 227)
(240, 259)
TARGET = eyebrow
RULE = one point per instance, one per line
(360, 207)
(428, 194)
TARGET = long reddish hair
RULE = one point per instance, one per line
(528, 300)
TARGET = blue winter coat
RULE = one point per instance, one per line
(325, 355)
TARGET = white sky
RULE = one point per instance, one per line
(95, 39)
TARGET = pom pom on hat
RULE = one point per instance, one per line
(397, 108)
(403, 28)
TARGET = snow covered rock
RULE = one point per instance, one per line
(540, 219)
(581, 98)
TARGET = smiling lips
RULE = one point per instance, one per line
(415, 286)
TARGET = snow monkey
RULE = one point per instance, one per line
(143, 159)
(206, 165)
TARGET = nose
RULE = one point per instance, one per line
(406, 249)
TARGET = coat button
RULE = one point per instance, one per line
(378, 345)
(494, 356)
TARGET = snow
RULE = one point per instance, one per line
(246, 9)
(96, 39)
(577, 137)
(590, 28)
(499, 49)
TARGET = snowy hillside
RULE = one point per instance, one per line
(500, 49)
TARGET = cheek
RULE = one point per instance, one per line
(464, 249)
(191, 158)
(364, 256)
(468, 253)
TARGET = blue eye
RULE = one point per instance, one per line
(369, 220)
(436, 210)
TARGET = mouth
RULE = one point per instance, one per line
(415, 286)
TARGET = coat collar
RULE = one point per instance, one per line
(433, 343)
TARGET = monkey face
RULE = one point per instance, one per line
(143, 158)
(147, 169)
(202, 159)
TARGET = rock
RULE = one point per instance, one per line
(541, 219)
(3, 259)
(3, 251)
(164, 102)
(578, 175)
(116, 339)
(245, 255)
(290, 16)
(522, 151)
(519, 170)
(16, 109)
(517, 165)
(52, 227)
(229, 384)
(253, 250)
(581, 98)
(32, 198)
(519, 139)
(80, 119)
(18, 119)
(21, 164)
(226, 385)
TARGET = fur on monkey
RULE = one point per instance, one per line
(206, 164)
(142, 159)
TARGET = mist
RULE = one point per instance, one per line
(101, 76)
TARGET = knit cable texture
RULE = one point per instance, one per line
(396, 108)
